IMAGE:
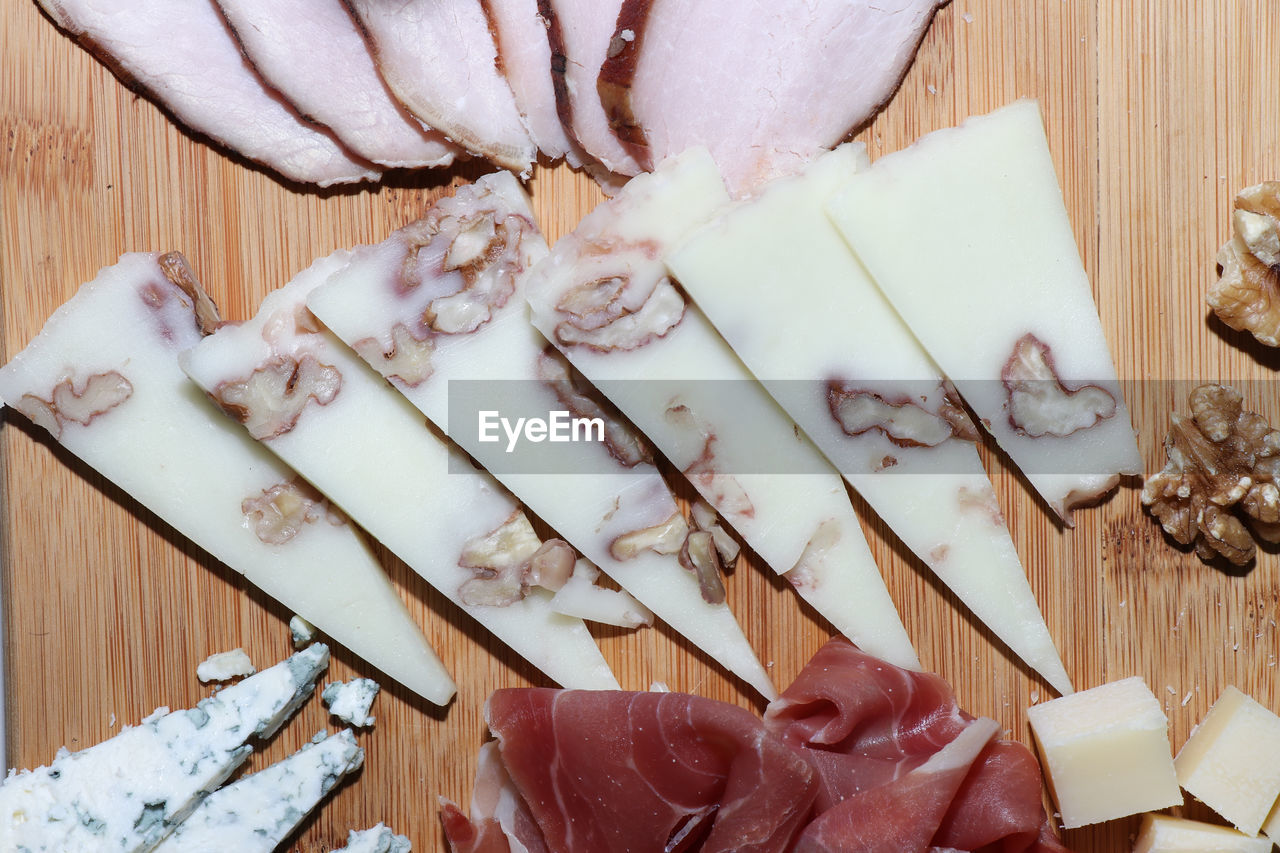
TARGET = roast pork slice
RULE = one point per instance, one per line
(440, 60)
(182, 54)
(312, 52)
(582, 38)
(764, 84)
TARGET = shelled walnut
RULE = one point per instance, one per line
(1247, 296)
(1223, 467)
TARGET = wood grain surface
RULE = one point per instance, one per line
(1157, 113)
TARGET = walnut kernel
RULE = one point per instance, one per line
(1247, 295)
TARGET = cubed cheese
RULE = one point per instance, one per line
(1106, 752)
(1231, 762)
(1163, 834)
(350, 701)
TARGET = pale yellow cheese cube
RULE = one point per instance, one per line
(1163, 834)
(1106, 752)
(1231, 762)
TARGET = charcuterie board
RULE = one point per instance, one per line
(1156, 115)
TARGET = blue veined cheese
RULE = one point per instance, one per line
(376, 839)
(301, 632)
(350, 701)
(256, 813)
(224, 666)
(127, 793)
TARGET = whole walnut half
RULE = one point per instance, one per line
(1247, 296)
(1224, 463)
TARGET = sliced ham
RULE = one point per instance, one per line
(440, 60)
(312, 52)
(500, 821)
(582, 35)
(614, 771)
(764, 84)
(182, 54)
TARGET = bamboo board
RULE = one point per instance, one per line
(1157, 113)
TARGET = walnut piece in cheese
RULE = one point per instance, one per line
(1231, 762)
(1164, 834)
(1247, 295)
(350, 701)
(1106, 752)
(224, 666)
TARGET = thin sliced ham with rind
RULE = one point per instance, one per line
(440, 60)
(764, 84)
(857, 756)
(182, 54)
(312, 51)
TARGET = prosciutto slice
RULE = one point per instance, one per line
(857, 756)
(440, 60)
(582, 39)
(183, 55)
(311, 51)
(764, 84)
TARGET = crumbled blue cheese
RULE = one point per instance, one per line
(376, 839)
(351, 701)
(127, 793)
(302, 632)
(224, 666)
(256, 813)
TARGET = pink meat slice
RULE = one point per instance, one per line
(614, 771)
(582, 37)
(764, 84)
(440, 60)
(500, 821)
(312, 52)
(182, 54)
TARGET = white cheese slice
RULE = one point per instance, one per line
(604, 299)
(581, 597)
(1164, 834)
(500, 361)
(127, 793)
(782, 287)
(103, 377)
(350, 701)
(371, 453)
(224, 666)
(1231, 762)
(966, 233)
(1106, 752)
(375, 839)
(256, 813)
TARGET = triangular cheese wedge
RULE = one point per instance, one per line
(604, 299)
(967, 235)
(310, 399)
(784, 289)
(389, 300)
(103, 378)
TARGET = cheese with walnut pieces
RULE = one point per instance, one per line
(129, 792)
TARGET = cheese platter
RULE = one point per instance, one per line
(1154, 119)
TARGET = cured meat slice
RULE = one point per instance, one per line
(500, 819)
(440, 60)
(312, 52)
(764, 84)
(582, 38)
(181, 52)
(524, 52)
(640, 771)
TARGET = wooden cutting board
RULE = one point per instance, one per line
(1157, 113)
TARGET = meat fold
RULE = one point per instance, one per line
(181, 53)
(857, 756)
(764, 84)
(440, 60)
(582, 37)
(312, 52)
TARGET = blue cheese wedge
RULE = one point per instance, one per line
(129, 792)
(350, 701)
(376, 839)
(256, 813)
(224, 666)
(103, 378)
